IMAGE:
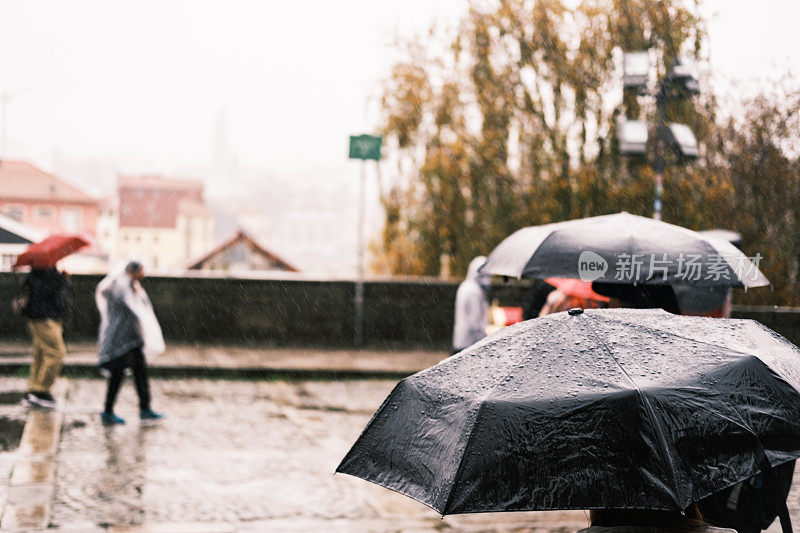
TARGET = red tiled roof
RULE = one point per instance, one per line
(20, 180)
(154, 202)
(240, 236)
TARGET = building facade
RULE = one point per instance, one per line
(43, 201)
(165, 221)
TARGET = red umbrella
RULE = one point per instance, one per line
(46, 253)
(577, 288)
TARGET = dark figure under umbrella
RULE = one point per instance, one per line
(535, 298)
(129, 331)
(646, 521)
(46, 305)
(640, 296)
(753, 504)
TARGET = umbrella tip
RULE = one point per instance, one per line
(575, 311)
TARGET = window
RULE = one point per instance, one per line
(7, 262)
(44, 212)
(15, 211)
(71, 218)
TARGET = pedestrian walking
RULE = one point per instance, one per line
(44, 300)
(129, 333)
(472, 307)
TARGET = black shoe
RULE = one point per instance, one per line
(46, 396)
(41, 399)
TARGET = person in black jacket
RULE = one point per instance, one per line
(752, 505)
(47, 306)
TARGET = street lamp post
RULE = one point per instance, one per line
(658, 162)
(633, 134)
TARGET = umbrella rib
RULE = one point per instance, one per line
(477, 416)
(658, 431)
(461, 460)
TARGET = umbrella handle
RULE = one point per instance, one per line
(786, 521)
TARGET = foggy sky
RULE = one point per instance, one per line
(142, 84)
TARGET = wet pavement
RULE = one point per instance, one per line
(243, 456)
(12, 422)
(236, 456)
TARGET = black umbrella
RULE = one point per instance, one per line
(623, 248)
(613, 408)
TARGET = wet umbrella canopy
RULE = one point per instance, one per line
(622, 248)
(49, 251)
(613, 408)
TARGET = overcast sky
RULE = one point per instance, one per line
(140, 83)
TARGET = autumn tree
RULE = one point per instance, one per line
(754, 156)
(513, 124)
(511, 121)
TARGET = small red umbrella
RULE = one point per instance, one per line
(577, 288)
(46, 253)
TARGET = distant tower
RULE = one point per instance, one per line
(225, 171)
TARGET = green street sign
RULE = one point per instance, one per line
(365, 147)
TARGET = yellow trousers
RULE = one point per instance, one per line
(48, 353)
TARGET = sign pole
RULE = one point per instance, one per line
(361, 195)
(363, 147)
(358, 335)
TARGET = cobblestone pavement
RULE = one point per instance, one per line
(239, 456)
(246, 456)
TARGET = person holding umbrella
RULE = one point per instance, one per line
(612, 410)
(44, 300)
(129, 332)
(646, 521)
(571, 293)
(640, 296)
(46, 305)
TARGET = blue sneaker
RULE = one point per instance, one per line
(110, 419)
(149, 414)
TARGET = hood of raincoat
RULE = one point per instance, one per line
(475, 274)
(127, 319)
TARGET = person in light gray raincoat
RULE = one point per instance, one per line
(129, 332)
(472, 307)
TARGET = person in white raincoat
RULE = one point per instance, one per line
(129, 332)
(472, 307)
